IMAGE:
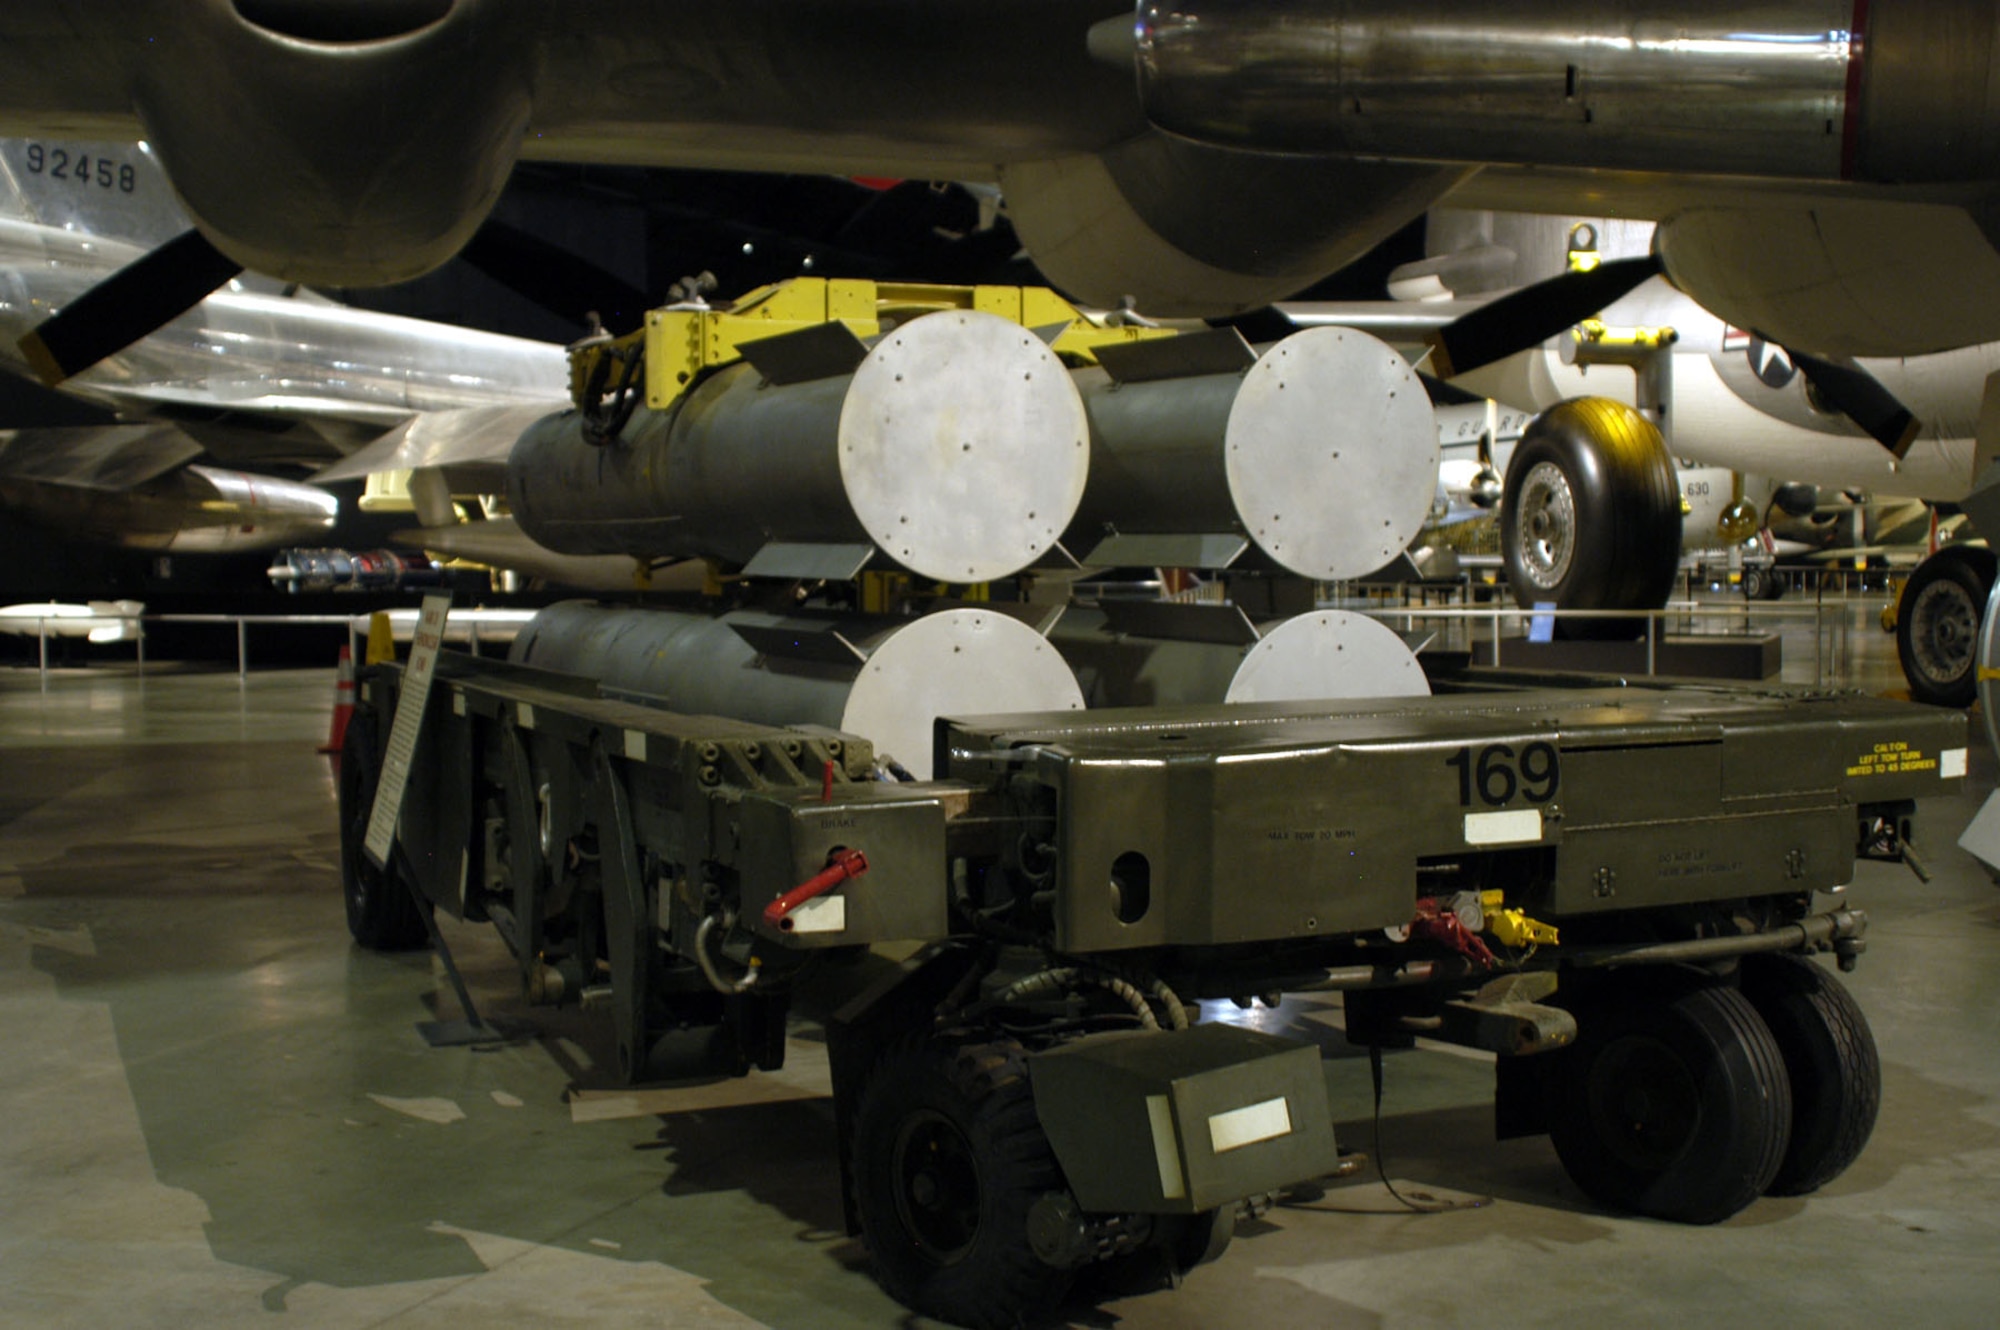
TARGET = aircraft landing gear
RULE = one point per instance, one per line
(1590, 516)
(1937, 624)
(1762, 583)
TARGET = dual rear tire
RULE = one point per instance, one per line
(1685, 1099)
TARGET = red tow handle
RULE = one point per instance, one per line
(840, 865)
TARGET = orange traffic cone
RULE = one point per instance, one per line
(343, 707)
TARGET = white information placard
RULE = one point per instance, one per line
(410, 704)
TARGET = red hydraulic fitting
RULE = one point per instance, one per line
(1437, 924)
(840, 865)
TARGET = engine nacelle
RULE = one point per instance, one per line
(1811, 89)
(187, 510)
(1182, 229)
(355, 144)
(1853, 278)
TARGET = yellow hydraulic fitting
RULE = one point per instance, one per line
(1583, 255)
(1603, 340)
(1515, 929)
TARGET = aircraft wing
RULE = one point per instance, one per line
(94, 457)
(470, 444)
(255, 407)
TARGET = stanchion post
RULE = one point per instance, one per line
(1819, 632)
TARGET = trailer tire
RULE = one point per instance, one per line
(948, 1158)
(1937, 625)
(1590, 516)
(1179, 1243)
(382, 913)
(1830, 1058)
(1673, 1102)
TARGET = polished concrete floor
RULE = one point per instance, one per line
(217, 1112)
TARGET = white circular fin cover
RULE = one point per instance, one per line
(1332, 453)
(963, 446)
(1328, 655)
(960, 662)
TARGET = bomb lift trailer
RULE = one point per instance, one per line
(1613, 889)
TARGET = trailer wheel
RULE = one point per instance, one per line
(1590, 516)
(1178, 1244)
(381, 911)
(1830, 1058)
(948, 1158)
(1673, 1102)
(1937, 625)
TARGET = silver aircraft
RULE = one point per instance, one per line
(1822, 171)
(1730, 398)
(172, 443)
(1738, 399)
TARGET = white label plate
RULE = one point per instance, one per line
(1512, 827)
(1250, 1124)
(821, 914)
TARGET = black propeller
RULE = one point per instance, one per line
(139, 298)
(557, 279)
(1530, 316)
(25, 404)
(1855, 393)
(1538, 312)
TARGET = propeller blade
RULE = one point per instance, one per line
(25, 404)
(1532, 315)
(138, 299)
(1860, 396)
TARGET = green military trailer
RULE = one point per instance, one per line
(1615, 889)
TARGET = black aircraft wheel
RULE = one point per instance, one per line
(1590, 516)
(1673, 1102)
(381, 913)
(1937, 625)
(1835, 1073)
(947, 1163)
(1760, 583)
